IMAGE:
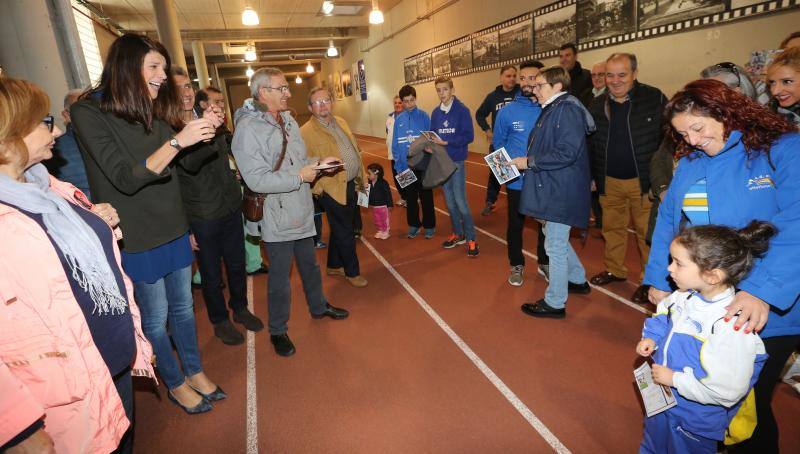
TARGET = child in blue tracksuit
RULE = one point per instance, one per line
(452, 122)
(407, 127)
(708, 261)
(511, 131)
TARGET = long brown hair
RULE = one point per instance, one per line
(123, 91)
(760, 127)
(23, 105)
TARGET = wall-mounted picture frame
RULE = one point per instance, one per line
(554, 26)
(347, 83)
(461, 56)
(516, 40)
(424, 67)
(653, 13)
(410, 70)
(485, 49)
(441, 62)
(598, 19)
(337, 84)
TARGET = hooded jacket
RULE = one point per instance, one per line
(512, 129)
(556, 186)
(288, 207)
(645, 122)
(407, 127)
(492, 104)
(740, 190)
(455, 128)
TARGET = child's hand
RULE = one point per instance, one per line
(646, 347)
(663, 375)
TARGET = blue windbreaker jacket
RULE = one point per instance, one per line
(407, 127)
(739, 191)
(455, 128)
(514, 124)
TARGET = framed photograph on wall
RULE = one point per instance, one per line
(424, 67)
(485, 49)
(441, 62)
(337, 84)
(347, 85)
(516, 40)
(653, 13)
(461, 56)
(599, 19)
(410, 70)
(554, 25)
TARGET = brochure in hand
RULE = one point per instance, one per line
(656, 398)
(431, 135)
(502, 167)
(405, 178)
(331, 165)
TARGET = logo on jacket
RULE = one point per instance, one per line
(760, 182)
(518, 125)
(446, 123)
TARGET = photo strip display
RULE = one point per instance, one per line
(591, 24)
(554, 25)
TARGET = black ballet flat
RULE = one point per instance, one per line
(213, 396)
(203, 407)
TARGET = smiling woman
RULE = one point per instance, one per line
(783, 77)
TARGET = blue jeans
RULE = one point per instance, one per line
(565, 266)
(455, 195)
(170, 299)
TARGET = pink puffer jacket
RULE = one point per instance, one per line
(49, 365)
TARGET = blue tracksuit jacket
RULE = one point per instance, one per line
(739, 191)
(455, 128)
(512, 127)
(407, 127)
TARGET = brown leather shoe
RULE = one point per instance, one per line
(640, 295)
(335, 271)
(357, 281)
(604, 278)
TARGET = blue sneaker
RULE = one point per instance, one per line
(429, 233)
(413, 232)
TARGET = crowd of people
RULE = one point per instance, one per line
(153, 182)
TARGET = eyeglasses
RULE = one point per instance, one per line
(322, 102)
(598, 75)
(539, 86)
(49, 121)
(731, 68)
(281, 88)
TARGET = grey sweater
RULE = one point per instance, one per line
(288, 210)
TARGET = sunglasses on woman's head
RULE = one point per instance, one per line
(731, 68)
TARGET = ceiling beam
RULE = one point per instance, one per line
(272, 34)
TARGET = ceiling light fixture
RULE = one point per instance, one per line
(332, 50)
(310, 68)
(250, 53)
(249, 72)
(327, 7)
(249, 16)
(298, 80)
(376, 15)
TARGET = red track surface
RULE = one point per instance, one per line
(391, 380)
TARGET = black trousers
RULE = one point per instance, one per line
(401, 191)
(597, 209)
(540, 252)
(124, 385)
(342, 244)
(492, 189)
(516, 223)
(317, 219)
(221, 239)
(415, 192)
(765, 437)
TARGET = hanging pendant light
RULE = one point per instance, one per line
(298, 80)
(332, 50)
(249, 72)
(327, 7)
(310, 68)
(250, 53)
(376, 15)
(249, 17)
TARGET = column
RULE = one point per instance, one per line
(200, 67)
(168, 31)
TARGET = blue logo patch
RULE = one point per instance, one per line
(760, 182)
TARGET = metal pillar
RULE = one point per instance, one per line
(168, 31)
(199, 53)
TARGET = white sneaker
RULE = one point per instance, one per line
(516, 278)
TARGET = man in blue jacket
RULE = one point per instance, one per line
(556, 186)
(407, 127)
(453, 124)
(511, 130)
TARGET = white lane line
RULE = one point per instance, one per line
(512, 398)
(252, 400)
(384, 143)
(468, 182)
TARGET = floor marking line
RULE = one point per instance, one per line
(252, 400)
(512, 398)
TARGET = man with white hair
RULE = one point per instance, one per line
(272, 160)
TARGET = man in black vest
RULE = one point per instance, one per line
(629, 131)
(580, 78)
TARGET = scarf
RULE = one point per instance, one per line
(77, 241)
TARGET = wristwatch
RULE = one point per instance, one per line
(173, 142)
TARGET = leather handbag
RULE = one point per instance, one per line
(253, 202)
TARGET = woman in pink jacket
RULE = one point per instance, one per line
(70, 334)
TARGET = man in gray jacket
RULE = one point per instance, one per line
(271, 157)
